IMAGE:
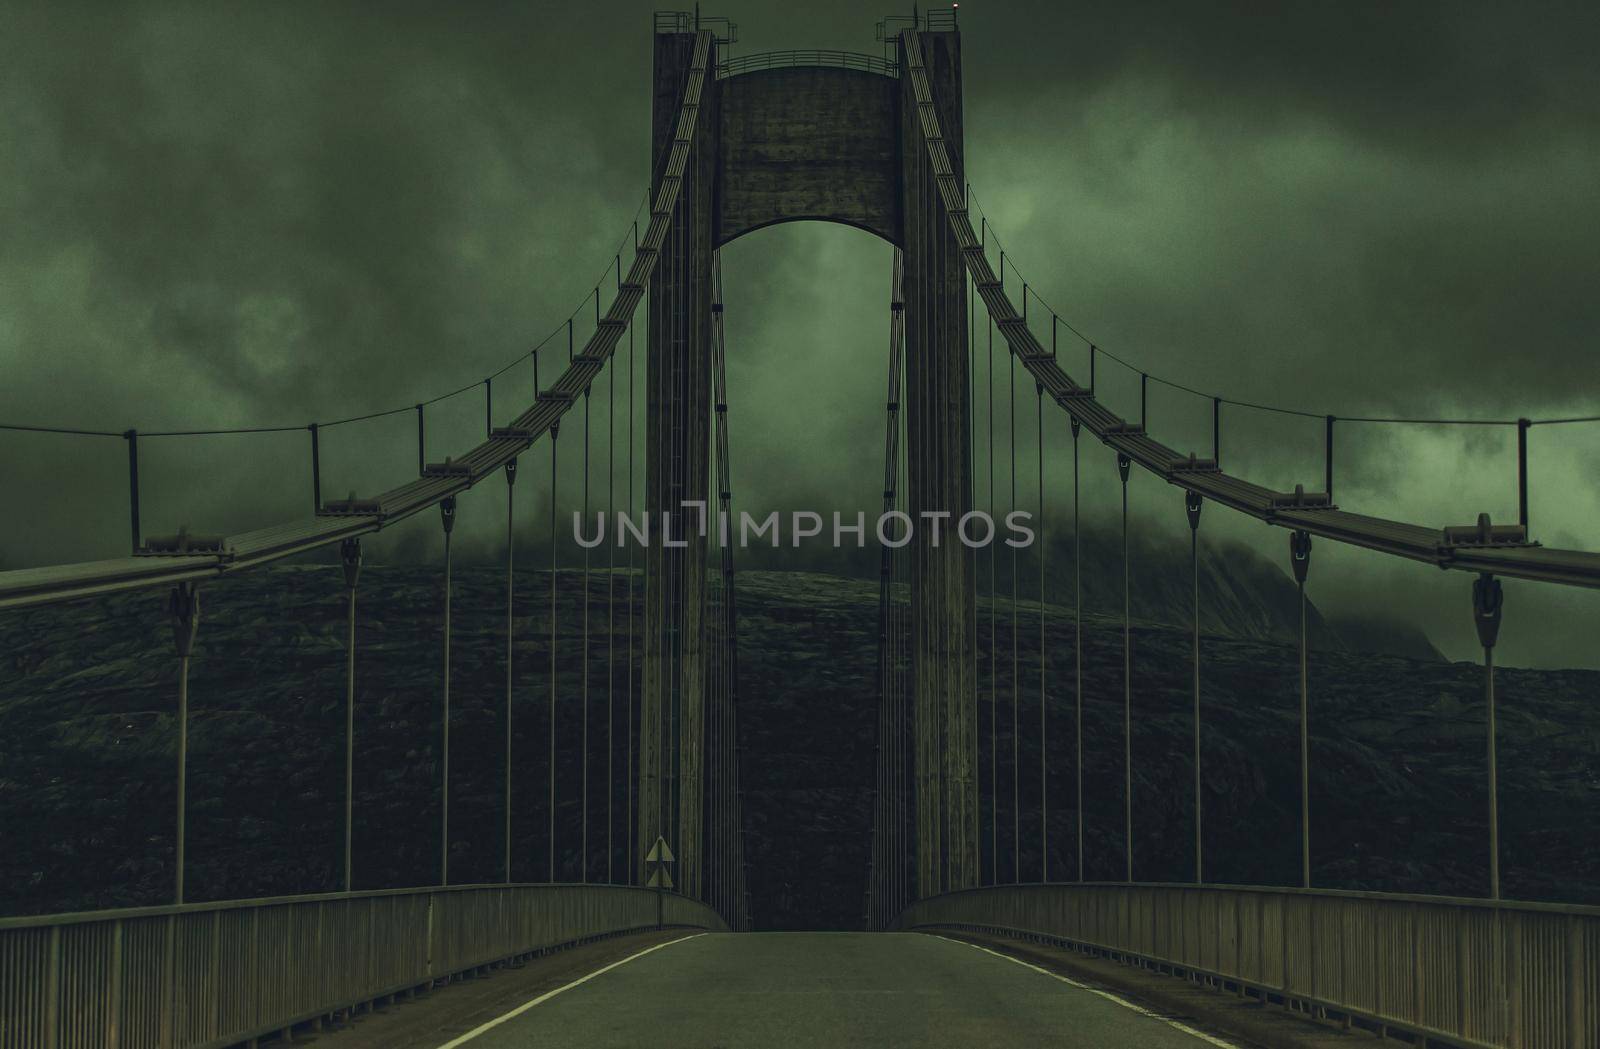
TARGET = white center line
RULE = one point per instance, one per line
(546, 996)
(1141, 1010)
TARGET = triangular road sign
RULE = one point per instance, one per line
(660, 879)
(659, 853)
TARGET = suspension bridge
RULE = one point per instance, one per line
(875, 142)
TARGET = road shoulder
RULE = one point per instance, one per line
(449, 1010)
(1242, 1021)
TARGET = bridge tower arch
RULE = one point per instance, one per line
(778, 142)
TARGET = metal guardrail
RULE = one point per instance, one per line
(785, 59)
(934, 20)
(204, 976)
(727, 31)
(1471, 972)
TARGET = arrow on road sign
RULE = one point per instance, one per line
(659, 853)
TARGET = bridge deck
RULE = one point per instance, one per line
(799, 990)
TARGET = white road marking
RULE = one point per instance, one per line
(1141, 1010)
(546, 996)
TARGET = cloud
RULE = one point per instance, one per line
(225, 215)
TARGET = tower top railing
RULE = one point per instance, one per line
(784, 59)
(938, 20)
(726, 30)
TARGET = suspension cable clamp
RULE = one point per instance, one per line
(558, 395)
(612, 322)
(894, 406)
(716, 307)
(1485, 534)
(351, 507)
(721, 408)
(1300, 554)
(447, 513)
(1487, 602)
(1192, 465)
(1300, 499)
(183, 544)
(449, 468)
(1124, 429)
(350, 558)
(512, 433)
(596, 359)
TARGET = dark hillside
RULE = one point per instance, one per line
(87, 703)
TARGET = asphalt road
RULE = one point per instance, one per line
(828, 990)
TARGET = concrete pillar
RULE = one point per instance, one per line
(678, 407)
(939, 469)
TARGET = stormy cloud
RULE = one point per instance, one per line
(219, 215)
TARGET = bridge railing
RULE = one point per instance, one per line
(215, 974)
(1472, 972)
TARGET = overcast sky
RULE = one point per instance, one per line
(224, 214)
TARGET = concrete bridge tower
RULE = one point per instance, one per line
(839, 144)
